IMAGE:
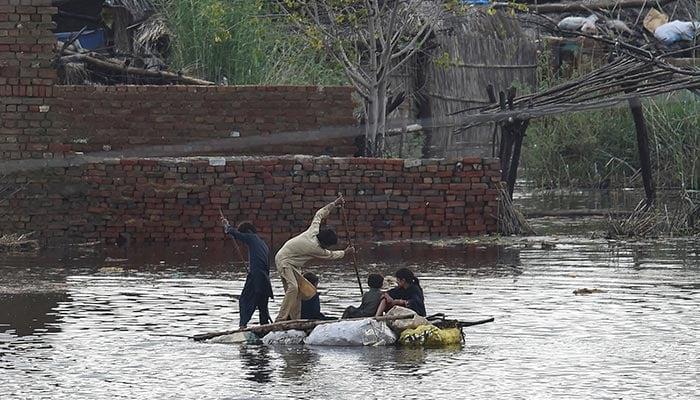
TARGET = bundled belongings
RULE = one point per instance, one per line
(413, 321)
(677, 31)
(585, 25)
(431, 336)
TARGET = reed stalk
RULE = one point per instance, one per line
(240, 42)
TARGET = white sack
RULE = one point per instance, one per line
(284, 337)
(366, 332)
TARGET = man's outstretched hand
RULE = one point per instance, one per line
(339, 202)
(349, 250)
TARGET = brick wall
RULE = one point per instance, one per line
(39, 119)
(178, 199)
(89, 118)
(26, 76)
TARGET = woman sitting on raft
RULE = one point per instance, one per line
(407, 294)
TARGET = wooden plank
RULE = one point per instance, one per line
(582, 6)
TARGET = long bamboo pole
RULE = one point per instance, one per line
(354, 254)
(139, 72)
(298, 324)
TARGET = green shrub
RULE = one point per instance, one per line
(242, 41)
(599, 148)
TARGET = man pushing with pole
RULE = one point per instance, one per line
(257, 289)
(297, 251)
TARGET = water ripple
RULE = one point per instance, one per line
(117, 333)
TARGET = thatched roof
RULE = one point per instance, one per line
(152, 37)
(139, 9)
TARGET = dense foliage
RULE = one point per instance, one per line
(241, 42)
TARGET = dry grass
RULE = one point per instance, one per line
(17, 242)
(14, 242)
(659, 221)
(74, 73)
(510, 220)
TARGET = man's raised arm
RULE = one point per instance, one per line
(323, 213)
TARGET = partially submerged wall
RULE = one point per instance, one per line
(39, 119)
(179, 199)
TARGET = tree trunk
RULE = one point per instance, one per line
(372, 124)
(381, 122)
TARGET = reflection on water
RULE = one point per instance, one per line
(27, 314)
(107, 324)
(256, 359)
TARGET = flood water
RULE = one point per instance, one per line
(89, 323)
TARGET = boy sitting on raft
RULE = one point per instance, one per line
(370, 300)
(311, 308)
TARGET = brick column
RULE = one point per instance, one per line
(26, 77)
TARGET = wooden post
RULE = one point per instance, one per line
(492, 99)
(506, 139)
(506, 149)
(494, 138)
(643, 145)
(519, 134)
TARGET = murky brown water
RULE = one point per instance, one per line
(78, 326)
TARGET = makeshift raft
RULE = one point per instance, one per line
(437, 331)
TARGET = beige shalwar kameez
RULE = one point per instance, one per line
(293, 255)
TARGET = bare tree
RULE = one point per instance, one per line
(371, 40)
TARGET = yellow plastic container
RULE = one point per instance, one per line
(431, 336)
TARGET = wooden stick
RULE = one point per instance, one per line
(582, 6)
(114, 67)
(472, 323)
(298, 324)
(354, 254)
(578, 213)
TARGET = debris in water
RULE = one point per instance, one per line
(111, 270)
(584, 291)
(547, 246)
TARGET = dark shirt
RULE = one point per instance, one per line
(368, 307)
(414, 295)
(311, 308)
(259, 269)
(257, 249)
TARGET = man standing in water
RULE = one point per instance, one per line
(312, 243)
(257, 289)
